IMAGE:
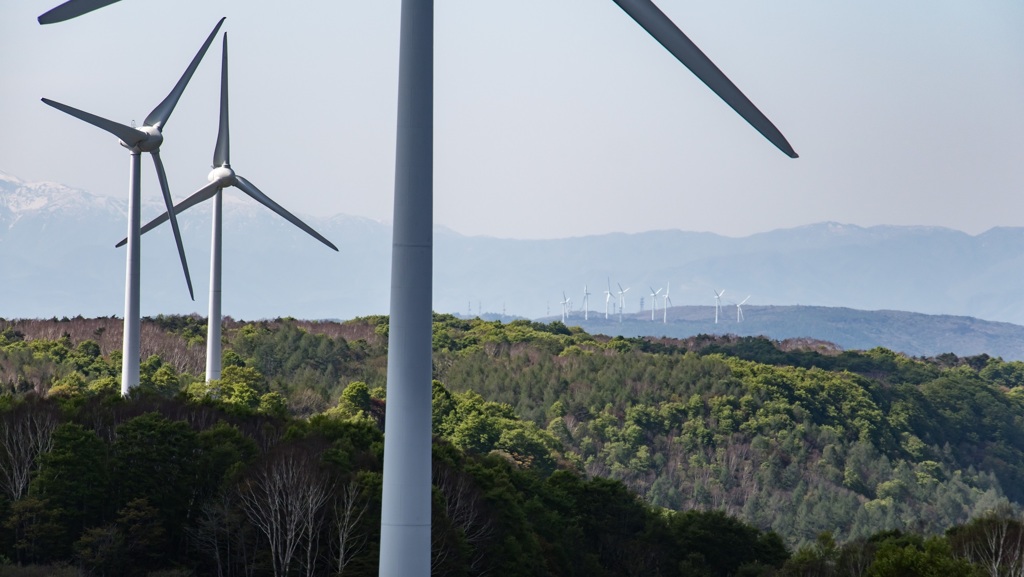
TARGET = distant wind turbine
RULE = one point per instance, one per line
(146, 138)
(607, 298)
(586, 303)
(622, 300)
(718, 303)
(654, 301)
(221, 177)
(565, 307)
(666, 304)
(739, 309)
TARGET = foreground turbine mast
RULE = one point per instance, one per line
(405, 517)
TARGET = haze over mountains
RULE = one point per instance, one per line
(58, 255)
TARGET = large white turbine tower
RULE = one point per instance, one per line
(565, 307)
(666, 304)
(586, 303)
(221, 177)
(654, 301)
(718, 303)
(405, 501)
(146, 138)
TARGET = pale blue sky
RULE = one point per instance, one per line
(553, 117)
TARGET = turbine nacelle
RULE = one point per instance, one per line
(154, 138)
(223, 176)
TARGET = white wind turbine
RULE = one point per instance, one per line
(405, 501)
(221, 177)
(739, 309)
(622, 300)
(146, 138)
(718, 303)
(654, 301)
(565, 306)
(666, 304)
(586, 303)
(607, 298)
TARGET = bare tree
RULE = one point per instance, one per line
(995, 542)
(465, 510)
(348, 511)
(279, 496)
(26, 431)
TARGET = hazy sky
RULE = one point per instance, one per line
(553, 118)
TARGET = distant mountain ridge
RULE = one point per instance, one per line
(58, 259)
(915, 334)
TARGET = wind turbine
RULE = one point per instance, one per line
(607, 298)
(586, 303)
(665, 305)
(221, 177)
(718, 303)
(622, 300)
(146, 138)
(405, 500)
(739, 309)
(565, 305)
(654, 301)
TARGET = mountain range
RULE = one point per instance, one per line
(58, 259)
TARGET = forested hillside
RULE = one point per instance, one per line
(544, 432)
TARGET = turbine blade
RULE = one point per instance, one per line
(127, 134)
(162, 112)
(658, 25)
(72, 9)
(198, 196)
(248, 188)
(222, 152)
(162, 176)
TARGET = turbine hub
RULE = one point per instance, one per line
(222, 174)
(154, 138)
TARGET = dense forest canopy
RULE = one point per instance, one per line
(556, 452)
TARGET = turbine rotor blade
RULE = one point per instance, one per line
(658, 25)
(127, 134)
(198, 196)
(162, 112)
(248, 188)
(72, 9)
(222, 152)
(162, 176)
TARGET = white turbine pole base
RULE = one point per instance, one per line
(130, 346)
(213, 319)
(405, 507)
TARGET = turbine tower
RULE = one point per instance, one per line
(622, 300)
(221, 177)
(666, 304)
(565, 304)
(586, 303)
(654, 301)
(607, 298)
(146, 138)
(718, 303)
(739, 309)
(405, 500)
